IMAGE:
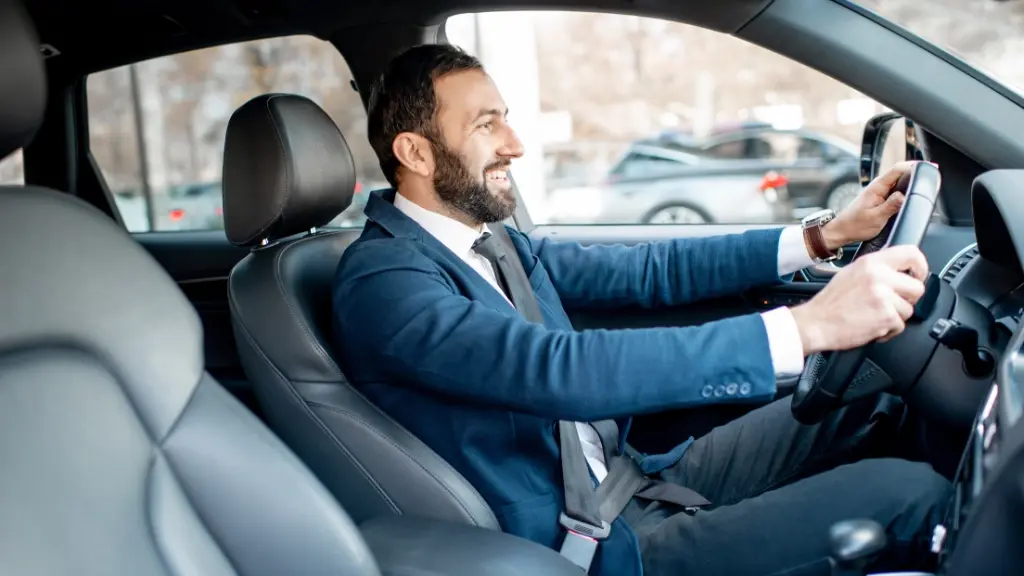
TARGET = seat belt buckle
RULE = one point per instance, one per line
(581, 540)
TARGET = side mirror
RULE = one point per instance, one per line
(889, 138)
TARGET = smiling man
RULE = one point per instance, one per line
(457, 327)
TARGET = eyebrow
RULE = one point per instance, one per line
(491, 112)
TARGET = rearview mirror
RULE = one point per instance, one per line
(889, 138)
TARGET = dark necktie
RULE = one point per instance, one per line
(496, 246)
(511, 278)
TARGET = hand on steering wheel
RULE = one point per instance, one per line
(869, 300)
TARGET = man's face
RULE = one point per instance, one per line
(476, 148)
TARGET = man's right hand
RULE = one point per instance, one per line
(869, 299)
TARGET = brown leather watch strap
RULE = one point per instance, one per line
(815, 242)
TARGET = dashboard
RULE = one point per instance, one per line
(984, 524)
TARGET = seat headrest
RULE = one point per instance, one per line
(287, 169)
(22, 79)
(85, 285)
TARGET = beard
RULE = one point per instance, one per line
(467, 193)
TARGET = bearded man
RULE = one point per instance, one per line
(457, 326)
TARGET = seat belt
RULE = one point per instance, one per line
(588, 513)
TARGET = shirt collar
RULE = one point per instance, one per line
(455, 235)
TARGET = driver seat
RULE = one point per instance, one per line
(287, 172)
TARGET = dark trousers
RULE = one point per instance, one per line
(776, 487)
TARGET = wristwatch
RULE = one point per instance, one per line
(813, 238)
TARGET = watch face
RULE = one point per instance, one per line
(819, 217)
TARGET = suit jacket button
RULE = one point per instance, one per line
(719, 391)
(732, 388)
(707, 391)
(744, 388)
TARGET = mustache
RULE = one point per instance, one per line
(498, 164)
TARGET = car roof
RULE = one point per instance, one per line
(726, 136)
(81, 30)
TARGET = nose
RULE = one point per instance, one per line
(511, 147)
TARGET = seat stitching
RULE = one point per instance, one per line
(151, 526)
(320, 351)
(352, 416)
(310, 413)
(279, 211)
(148, 510)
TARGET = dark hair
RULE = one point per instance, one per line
(403, 98)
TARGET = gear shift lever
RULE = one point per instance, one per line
(853, 544)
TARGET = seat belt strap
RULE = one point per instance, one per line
(588, 512)
(582, 516)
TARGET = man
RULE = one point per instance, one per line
(428, 328)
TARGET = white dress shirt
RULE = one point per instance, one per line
(784, 343)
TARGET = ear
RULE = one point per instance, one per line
(413, 152)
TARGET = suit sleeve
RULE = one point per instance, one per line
(409, 320)
(666, 273)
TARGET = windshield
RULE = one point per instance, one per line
(986, 34)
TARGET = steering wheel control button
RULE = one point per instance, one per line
(707, 391)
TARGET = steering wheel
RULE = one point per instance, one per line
(826, 382)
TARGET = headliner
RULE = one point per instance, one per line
(97, 34)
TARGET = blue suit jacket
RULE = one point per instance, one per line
(427, 339)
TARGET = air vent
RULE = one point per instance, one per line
(959, 262)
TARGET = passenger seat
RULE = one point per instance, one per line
(287, 172)
(119, 454)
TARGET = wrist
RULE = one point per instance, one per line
(834, 236)
(812, 337)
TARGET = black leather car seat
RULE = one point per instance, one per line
(287, 172)
(118, 453)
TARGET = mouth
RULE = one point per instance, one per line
(497, 175)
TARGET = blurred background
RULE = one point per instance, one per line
(626, 120)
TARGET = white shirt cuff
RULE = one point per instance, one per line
(793, 255)
(787, 349)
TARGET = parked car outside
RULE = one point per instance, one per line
(822, 170)
(653, 184)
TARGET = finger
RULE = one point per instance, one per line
(890, 178)
(903, 309)
(892, 204)
(907, 287)
(904, 258)
(900, 311)
(890, 335)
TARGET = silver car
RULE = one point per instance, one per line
(651, 184)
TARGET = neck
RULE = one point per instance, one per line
(427, 198)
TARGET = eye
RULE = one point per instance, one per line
(488, 126)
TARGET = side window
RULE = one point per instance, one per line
(607, 82)
(156, 128)
(642, 165)
(11, 173)
(732, 150)
(811, 149)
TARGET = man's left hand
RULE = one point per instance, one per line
(865, 217)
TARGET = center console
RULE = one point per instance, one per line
(983, 531)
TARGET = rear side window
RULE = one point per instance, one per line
(156, 128)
